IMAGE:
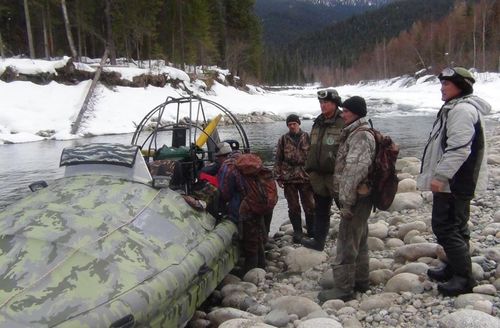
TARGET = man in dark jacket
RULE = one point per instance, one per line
(320, 163)
(291, 154)
(454, 169)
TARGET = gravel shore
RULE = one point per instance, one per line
(402, 248)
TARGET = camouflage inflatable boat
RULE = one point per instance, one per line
(101, 247)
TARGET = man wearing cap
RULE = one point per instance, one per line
(454, 169)
(291, 154)
(352, 188)
(320, 163)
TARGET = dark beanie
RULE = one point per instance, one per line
(356, 104)
(460, 77)
(293, 118)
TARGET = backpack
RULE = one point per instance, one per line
(260, 194)
(384, 180)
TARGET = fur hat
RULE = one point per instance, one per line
(460, 77)
(356, 104)
(293, 118)
(223, 148)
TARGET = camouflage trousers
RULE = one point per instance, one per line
(253, 232)
(292, 193)
(351, 264)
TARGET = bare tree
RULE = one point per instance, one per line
(2, 53)
(68, 29)
(110, 43)
(28, 29)
(45, 32)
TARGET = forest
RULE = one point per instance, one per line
(402, 37)
(198, 32)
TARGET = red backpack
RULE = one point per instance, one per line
(261, 193)
(383, 172)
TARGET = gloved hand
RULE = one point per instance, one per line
(346, 213)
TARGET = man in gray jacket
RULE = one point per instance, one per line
(351, 186)
(454, 168)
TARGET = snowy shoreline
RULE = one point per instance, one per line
(28, 110)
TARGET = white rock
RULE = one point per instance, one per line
(487, 289)
(298, 305)
(465, 300)
(406, 201)
(220, 315)
(244, 323)
(375, 244)
(415, 268)
(379, 230)
(407, 185)
(394, 242)
(403, 229)
(483, 306)
(414, 251)
(255, 276)
(302, 259)
(379, 301)
(380, 276)
(246, 287)
(320, 323)
(469, 319)
(402, 282)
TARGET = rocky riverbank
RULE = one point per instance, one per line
(402, 248)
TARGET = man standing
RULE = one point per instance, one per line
(454, 168)
(354, 158)
(291, 154)
(320, 163)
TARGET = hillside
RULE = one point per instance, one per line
(286, 20)
(338, 46)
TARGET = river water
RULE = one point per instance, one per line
(22, 164)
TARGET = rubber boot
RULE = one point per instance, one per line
(251, 262)
(296, 222)
(462, 280)
(321, 227)
(362, 286)
(343, 280)
(441, 274)
(310, 225)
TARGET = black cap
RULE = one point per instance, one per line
(293, 118)
(356, 104)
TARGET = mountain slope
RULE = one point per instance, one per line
(285, 20)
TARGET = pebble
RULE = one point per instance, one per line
(402, 248)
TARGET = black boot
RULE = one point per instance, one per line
(334, 294)
(361, 286)
(296, 222)
(457, 285)
(313, 244)
(462, 280)
(440, 274)
(321, 226)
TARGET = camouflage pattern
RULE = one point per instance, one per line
(291, 155)
(162, 167)
(320, 163)
(105, 153)
(354, 160)
(89, 250)
(292, 191)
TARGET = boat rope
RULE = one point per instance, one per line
(76, 250)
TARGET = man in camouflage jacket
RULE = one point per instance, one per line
(291, 154)
(320, 163)
(354, 159)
